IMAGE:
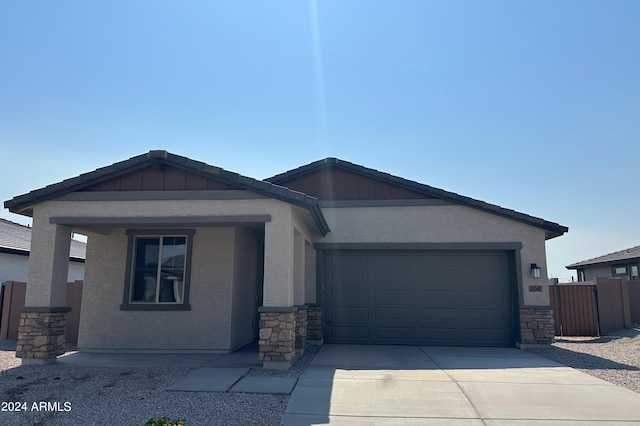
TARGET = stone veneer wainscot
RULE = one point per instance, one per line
(276, 344)
(536, 326)
(41, 334)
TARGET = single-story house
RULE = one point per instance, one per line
(15, 245)
(619, 264)
(187, 257)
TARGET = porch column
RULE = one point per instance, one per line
(299, 291)
(278, 314)
(41, 331)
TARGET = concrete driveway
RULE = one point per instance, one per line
(410, 385)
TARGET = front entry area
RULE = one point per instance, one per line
(413, 297)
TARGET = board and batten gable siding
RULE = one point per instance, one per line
(339, 185)
(167, 179)
(441, 224)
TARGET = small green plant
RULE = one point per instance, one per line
(164, 421)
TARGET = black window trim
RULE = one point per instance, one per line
(184, 306)
(620, 265)
(631, 265)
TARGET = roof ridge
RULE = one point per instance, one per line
(10, 222)
(585, 261)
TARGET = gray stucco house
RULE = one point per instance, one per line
(619, 264)
(184, 256)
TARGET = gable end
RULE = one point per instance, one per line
(335, 184)
(160, 179)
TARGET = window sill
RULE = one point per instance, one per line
(154, 307)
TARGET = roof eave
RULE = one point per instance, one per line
(581, 265)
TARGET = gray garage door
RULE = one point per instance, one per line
(418, 298)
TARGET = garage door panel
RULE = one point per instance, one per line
(438, 298)
(412, 297)
(393, 297)
(349, 297)
(350, 332)
(398, 279)
(431, 314)
(350, 314)
(350, 279)
(483, 298)
(393, 313)
(486, 314)
(393, 333)
(482, 337)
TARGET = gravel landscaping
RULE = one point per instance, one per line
(129, 396)
(614, 358)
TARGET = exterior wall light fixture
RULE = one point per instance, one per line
(535, 271)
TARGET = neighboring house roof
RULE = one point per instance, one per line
(157, 159)
(16, 239)
(553, 229)
(632, 253)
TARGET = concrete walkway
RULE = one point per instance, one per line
(211, 372)
(409, 385)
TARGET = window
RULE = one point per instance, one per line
(581, 275)
(158, 270)
(619, 270)
(634, 271)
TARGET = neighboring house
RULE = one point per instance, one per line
(184, 256)
(619, 264)
(15, 244)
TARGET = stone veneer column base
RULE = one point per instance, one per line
(301, 329)
(276, 344)
(314, 325)
(536, 326)
(41, 334)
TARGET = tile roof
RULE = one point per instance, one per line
(16, 238)
(616, 256)
(553, 229)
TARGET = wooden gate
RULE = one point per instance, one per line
(575, 310)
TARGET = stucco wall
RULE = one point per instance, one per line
(14, 267)
(597, 271)
(441, 224)
(103, 326)
(306, 276)
(246, 287)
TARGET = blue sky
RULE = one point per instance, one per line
(533, 106)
